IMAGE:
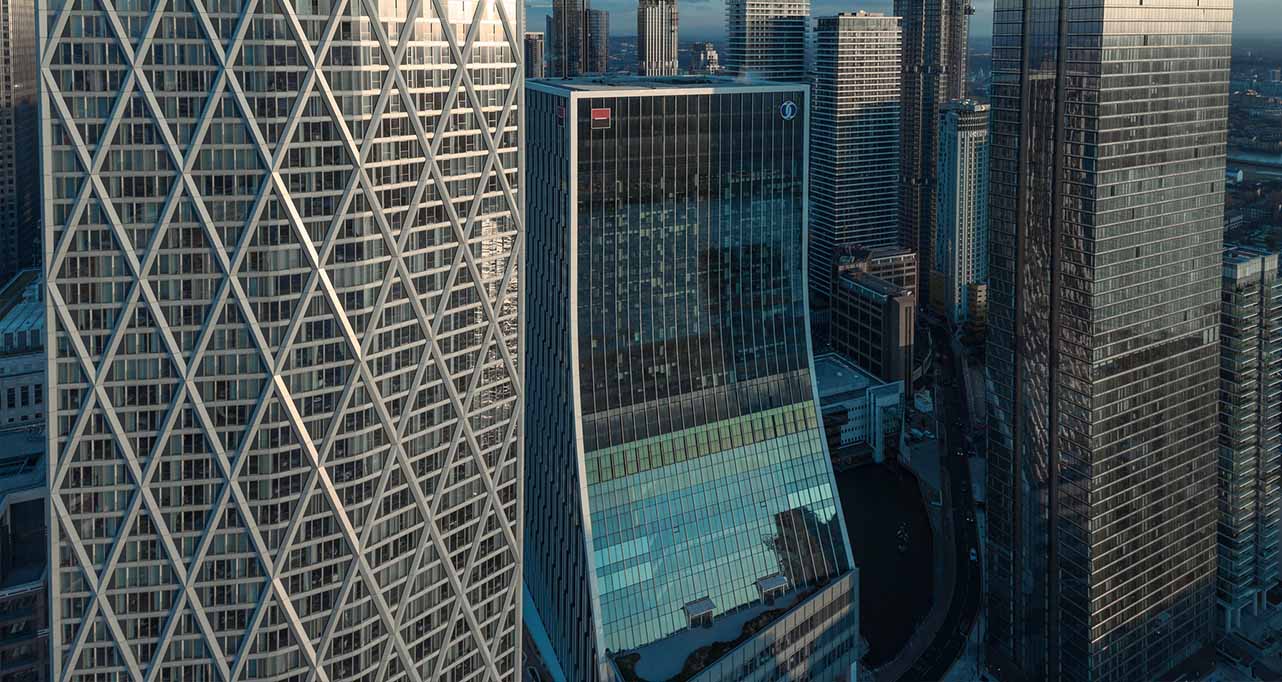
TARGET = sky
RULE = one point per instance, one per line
(705, 19)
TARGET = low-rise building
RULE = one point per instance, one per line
(22, 356)
(858, 409)
(872, 324)
(977, 303)
(894, 264)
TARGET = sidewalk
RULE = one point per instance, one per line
(973, 384)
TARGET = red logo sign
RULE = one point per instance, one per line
(600, 118)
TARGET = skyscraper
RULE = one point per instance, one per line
(1250, 455)
(767, 38)
(598, 28)
(934, 73)
(534, 44)
(705, 59)
(657, 37)
(854, 141)
(284, 373)
(567, 39)
(961, 246)
(678, 482)
(19, 163)
(1107, 179)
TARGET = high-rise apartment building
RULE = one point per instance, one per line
(567, 39)
(682, 521)
(657, 37)
(598, 31)
(534, 45)
(19, 162)
(961, 243)
(704, 59)
(934, 73)
(283, 328)
(767, 39)
(854, 140)
(1107, 183)
(1250, 455)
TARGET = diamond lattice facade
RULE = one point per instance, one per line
(283, 338)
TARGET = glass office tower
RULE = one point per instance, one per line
(1107, 178)
(933, 66)
(681, 499)
(567, 39)
(19, 161)
(284, 369)
(657, 37)
(854, 141)
(597, 22)
(534, 46)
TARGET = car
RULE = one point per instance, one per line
(973, 555)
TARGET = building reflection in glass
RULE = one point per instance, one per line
(705, 491)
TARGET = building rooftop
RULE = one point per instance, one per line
(1247, 261)
(623, 84)
(874, 283)
(22, 314)
(969, 105)
(684, 654)
(836, 375)
(856, 253)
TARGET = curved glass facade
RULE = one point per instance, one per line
(708, 485)
(282, 241)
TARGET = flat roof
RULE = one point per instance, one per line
(14, 294)
(836, 375)
(644, 85)
(674, 655)
(874, 283)
(1247, 261)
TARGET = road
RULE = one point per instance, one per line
(950, 409)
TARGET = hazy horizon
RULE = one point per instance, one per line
(705, 20)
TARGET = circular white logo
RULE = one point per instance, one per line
(788, 110)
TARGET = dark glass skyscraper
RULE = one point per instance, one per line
(19, 162)
(567, 39)
(1107, 176)
(683, 502)
(534, 45)
(933, 67)
(598, 36)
